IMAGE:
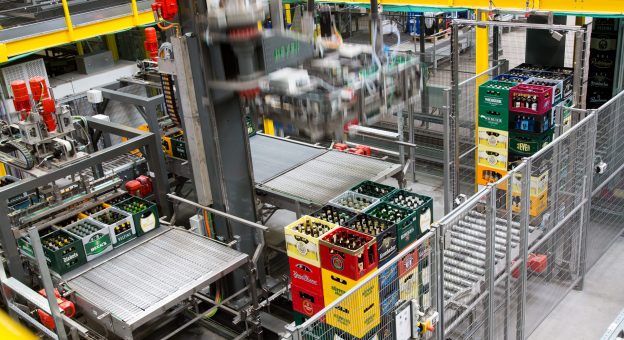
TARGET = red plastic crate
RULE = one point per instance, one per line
(305, 275)
(541, 94)
(345, 261)
(305, 301)
(408, 262)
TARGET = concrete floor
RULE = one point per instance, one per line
(586, 314)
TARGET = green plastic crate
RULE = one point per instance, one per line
(494, 118)
(373, 189)
(145, 219)
(527, 144)
(61, 260)
(424, 210)
(495, 94)
(407, 228)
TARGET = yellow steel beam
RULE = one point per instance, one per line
(609, 7)
(74, 34)
(482, 63)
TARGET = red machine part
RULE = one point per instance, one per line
(151, 43)
(21, 98)
(358, 150)
(167, 9)
(48, 108)
(141, 186)
(538, 263)
(66, 306)
(38, 88)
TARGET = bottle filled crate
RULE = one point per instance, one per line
(94, 210)
(522, 122)
(302, 238)
(305, 275)
(566, 75)
(556, 85)
(123, 197)
(305, 301)
(527, 144)
(95, 238)
(408, 262)
(531, 67)
(119, 223)
(538, 186)
(353, 201)
(373, 189)
(144, 214)
(493, 138)
(492, 157)
(384, 232)
(495, 94)
(408, 285)
(421, 204)
(406, 222)
(513, 79)
(487, 175)
(360, 312)
(531, 99)
(63, 252)
(491, 118)
(388, 294)
(334, 215)
(537, 204)
(348, 252)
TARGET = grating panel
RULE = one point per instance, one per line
(272, 156)
(144, 278)
(319, 180)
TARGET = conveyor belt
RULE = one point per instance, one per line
(326, 176)
(148, 278)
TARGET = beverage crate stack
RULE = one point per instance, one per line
(70, 243)
(493, 129)
(363, 229)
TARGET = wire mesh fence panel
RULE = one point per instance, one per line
(380, 304)
(607, 206)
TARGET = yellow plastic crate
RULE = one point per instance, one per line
(492, 157)
(493, 138)
(538, 204)
(360, 312)
(539, 184)
(408, 285)
(304, 247)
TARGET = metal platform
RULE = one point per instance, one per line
(137, 282)
(288, 172)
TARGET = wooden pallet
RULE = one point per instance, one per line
(433, 38)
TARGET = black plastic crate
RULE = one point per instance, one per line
(334, 214)
(373, 189)
(385, 233)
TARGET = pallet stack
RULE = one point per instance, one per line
(371, 223)
(517, 118)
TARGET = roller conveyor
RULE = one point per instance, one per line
(137, 282)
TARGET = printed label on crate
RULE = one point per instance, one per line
(491, 120)
(389, 245)
(406, 236)
(97, 244)
(148, 223)
(425, 220)
(125, 236)
(25, 247)
(523, 147)
(337, 262)
(70, 257)
(302, 246)
(493, 101)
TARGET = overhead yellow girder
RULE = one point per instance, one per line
(72, 34)
(587, 7)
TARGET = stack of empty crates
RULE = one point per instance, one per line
(383, 221)
(517, 118)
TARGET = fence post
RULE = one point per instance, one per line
(454, 105)
(508, 208)
(439, 240)
(587, 194)
(524, 247)
(490, 255)
(448, 192)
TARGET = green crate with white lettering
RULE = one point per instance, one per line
(526, 143)
(95, 237)
(144, 214)
(495, 94)
(63, 252)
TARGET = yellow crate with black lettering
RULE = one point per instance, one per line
(493, 157)
(537, 204)
(360, 312)
(493, 138)
(408, 285)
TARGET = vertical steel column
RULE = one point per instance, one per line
(277, 15)
(9, 244)
(508, 209)
(524, 247)
(587, 194)
(46, 280)
(454, 143)
(448, 191)
(490, 256)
